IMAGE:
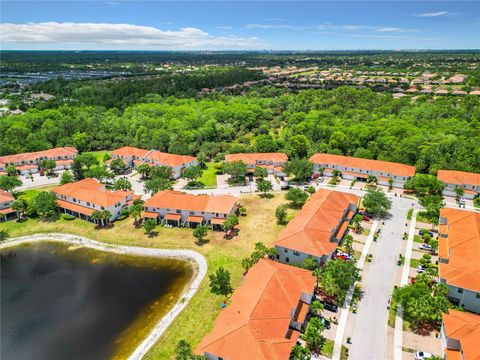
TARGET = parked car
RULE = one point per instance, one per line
(462, 200)
(325, 322)
(425, 247)
(420, 269)
(420, 355)
(366, 218)
(343, 256)
(330, 306)
(284, 186)
(429, 233)
(320, 179)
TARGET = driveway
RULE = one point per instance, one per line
(369, 334)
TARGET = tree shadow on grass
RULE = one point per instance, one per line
(202, 242)
(266, 196)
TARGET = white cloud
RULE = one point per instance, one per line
(392, 37)
(114, 3)
(394, 30)
(270, 26)
(117, 36)
(434, 14)
(223, 27)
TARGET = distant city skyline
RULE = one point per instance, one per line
(242, 25)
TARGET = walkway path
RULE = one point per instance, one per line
(163, 323)
(337, 349)
(369, 333)
(398, 335)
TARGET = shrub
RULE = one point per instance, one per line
(68, 217)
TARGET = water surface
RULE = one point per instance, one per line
(64, 302)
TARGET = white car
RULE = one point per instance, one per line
(420, 355)
(425, 247)
(420, 269)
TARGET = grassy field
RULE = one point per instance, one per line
(98, 154)
(209, 175)
(197, 319)
(327, 350)
(31, 193)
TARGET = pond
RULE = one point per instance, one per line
(69, 302)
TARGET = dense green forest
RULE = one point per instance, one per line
(121, 93)
(429, 133)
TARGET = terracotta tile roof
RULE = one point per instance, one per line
(458, 177)
(252, 158)
(364, 164)
(34, 156)
(153, 156)
(465, 328)
(92, 191)
(175, 217)
(150, 214)
(195, 219)
(177, 200)
(127, 151)
(63, 162)
(312, 228)
(461, 248)
(255, 325)
(217, 221)
(75, 207)
(6, 211)
(26, 167)
(165, 159)
(6, 196)
(453, 354)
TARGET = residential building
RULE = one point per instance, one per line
(273, 162)
(135, 156)
(83, 197)
(460, 335)
(264, 315)
(469, 182)
(179, 208)
(360, 169)
(6, 201)
(458, 253)
(27, 163)
(317, 229)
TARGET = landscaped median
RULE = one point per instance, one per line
(198, 316)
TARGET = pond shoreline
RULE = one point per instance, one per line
(165, 321)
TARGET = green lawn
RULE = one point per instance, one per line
(327, 350)
(98, 154)
(209, 175)
(198, 317)
(417, 239)
(410, 213)
(31, 193)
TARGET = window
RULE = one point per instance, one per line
(477, 295)
(101, 207)
(296, 253)
(191, 212)
(285, 250)
(88, 204)
(460, 291)
(179, 211)
(278, 257)
(287, 259)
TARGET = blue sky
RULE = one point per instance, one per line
(220, 25)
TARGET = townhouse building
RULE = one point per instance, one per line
(135, 156)
(469, 182)
(273, 162)
(83, 197)
(458, 251)
(28, 163)
(6, 201)
(264, 315)
(460, 334)
(317, 229)
(177, 208)
(359, 169)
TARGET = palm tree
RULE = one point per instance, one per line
(96, 216)
(106, 215)
(316, 307)
(20, 206)
(300, 353)
(136, 212)
(317, 273)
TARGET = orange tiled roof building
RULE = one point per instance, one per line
(83, 197)
(179, 208)
(317, 229)
(359, 169)
(28, 162)
(469, 182)
(264, 316)
(273, 162)
(6, 201)
(135, 156)
(460, 335)
(458, 253)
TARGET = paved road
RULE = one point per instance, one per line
(369, 335)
